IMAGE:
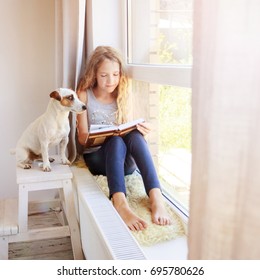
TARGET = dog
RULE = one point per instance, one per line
(50, 129)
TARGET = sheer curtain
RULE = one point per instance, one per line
(225, 191)
(70, 51)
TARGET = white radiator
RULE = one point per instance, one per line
(104, 235)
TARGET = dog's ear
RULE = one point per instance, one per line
(55, 95)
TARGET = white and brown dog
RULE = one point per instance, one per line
(50, 129)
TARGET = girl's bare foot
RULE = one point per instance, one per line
(160, 215)
(132, 221)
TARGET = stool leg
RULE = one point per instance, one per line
(23, 208)
(72, 220)
(3, 248)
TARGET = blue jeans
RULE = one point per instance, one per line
(120, 156)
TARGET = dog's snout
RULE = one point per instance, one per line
(84, 107)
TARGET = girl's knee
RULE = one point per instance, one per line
(135, 138)
(116, 143)
(134, 135)
(116, 140)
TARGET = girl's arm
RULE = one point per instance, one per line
(82, 120)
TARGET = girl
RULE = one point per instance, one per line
(103, 89)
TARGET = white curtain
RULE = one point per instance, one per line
(70, 51)
(225, 191)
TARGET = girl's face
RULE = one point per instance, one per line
(108, 75)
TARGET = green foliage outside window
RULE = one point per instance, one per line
(175, 118)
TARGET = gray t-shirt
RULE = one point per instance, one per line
(99, 113)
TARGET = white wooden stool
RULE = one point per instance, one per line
(36, 180)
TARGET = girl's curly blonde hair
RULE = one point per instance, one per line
(89, 81)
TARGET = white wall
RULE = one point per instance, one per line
(105, 24)
(27, 74)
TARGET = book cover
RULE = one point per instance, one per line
(99, 133)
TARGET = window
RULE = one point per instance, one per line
(160, 32)
(159, 55)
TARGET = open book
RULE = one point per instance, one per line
(99, 133)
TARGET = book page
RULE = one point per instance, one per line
(98, 128)
(130, 124)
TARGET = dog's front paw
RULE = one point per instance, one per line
(46, 168)
(65, 161)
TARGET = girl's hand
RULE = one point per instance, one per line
(144, 128)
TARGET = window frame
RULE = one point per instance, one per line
(175, 75)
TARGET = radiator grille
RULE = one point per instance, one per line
(116, 237)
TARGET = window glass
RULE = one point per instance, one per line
(174, 151)
(160, 32)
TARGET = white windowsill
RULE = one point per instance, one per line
(169, 250)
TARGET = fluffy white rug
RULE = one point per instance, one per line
(139, 203)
